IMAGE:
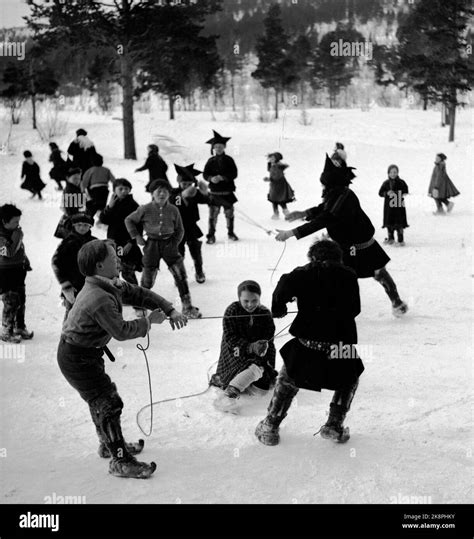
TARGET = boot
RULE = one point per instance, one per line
(450, 206)
(276, 216)
(211, 239)
(227, 401)
(9, 336)
(230, 229)
(188, 309)
(267, 431)
(24, 333)
(133, 448)
(399, 308)
(333, 429)
(286, 212)
(130, 467)
(195, 248)
(400, 237)
(200, 276)
(390, 239)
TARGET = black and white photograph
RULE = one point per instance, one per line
(236, 265)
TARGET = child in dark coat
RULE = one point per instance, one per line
(119, 207)
(247, 357)
(322, 353)
(60, 166)
(82, 151)
(13, 267)
(73, 201)
(220, 171)
(64, 261)
(341, 215)
(281, 192)
(162, 223)
(187, 198)
(30, 174)
(393, 191)
(155, 165)
(441, 187)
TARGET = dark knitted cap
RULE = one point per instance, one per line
(81, 132)
(250, 286)
(82, 218)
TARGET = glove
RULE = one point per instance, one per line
(259, 348)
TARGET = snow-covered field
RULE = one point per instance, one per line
(411, 418)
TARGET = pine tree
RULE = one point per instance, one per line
(275, 67)
(434, 53)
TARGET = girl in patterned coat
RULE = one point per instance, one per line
(247, 358)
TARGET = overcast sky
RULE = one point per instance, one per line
(11, 12)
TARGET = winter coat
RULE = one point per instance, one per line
(32, 181)
(441, 186)
(394, 211)
(13, 260)
(222, 193)
(328, 302)
(189, 210)
(347, 224)
(280, 190)
(64, 261)
(82, 157)
(115, 217)
(96, 316)
(156, 167)
(238, 333)
(96, 177)
(60, 166)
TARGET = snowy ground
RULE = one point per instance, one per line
(411, 418)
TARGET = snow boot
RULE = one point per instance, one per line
(450, 206)
(134, 448)
(200, 276)
(334, 429)
(268, 431)
(276, 216)
(232, 236)
(188, 309)
(399, 308)
(130, 467)
(227, 401)
(10, 337)
(24, 333)
(211, 240)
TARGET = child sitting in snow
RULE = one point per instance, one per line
(13, 267)
(247, 357)
(393, 191)
(280, 190)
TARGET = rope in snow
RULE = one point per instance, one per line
(246, 218)
(153, 403)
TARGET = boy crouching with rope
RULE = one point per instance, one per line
(247, 358)
(96, 318)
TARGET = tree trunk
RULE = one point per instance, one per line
(425, 103)
(232, 90)
(452, 121)
(33, 108)
(126, 73)
(171, 106)
(276, 104)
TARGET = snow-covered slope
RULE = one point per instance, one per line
(411, 418)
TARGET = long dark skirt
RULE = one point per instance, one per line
(365, 261)
(316, 369)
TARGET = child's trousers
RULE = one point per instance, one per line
(248, 376)
(14, 309)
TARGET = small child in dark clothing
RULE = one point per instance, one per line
(280, 190)
(30, 174)
(13, 267)
(393, 191)
(60, 167)
(155, 165)
(73, 201)
(247, 357)
(119, 207)
(64, 260)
